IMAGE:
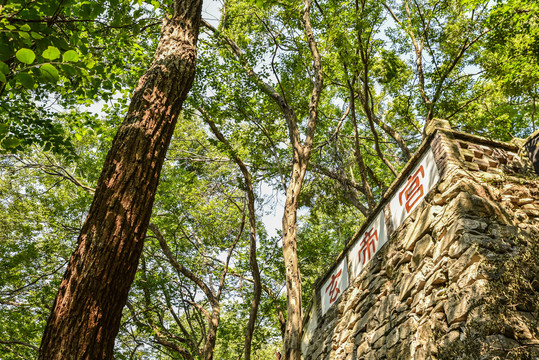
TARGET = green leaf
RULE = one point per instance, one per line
(68, 69)
(70, 56)
(11, 142)
(24, 35)
(26, 80)
(3, 78)
(4, 129)
(49, 72)
(36, 35)
(51, 53)
(60, 43)
(26, 27)
(5, 51)
(26, 56)
(4, 68)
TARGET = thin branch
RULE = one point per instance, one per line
(288, 112)
(337, 129)
(318, 80)
(466, 104)
(180, 268)
(253, 263)
(15, 342)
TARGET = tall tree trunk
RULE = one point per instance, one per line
(86, 313)
(294, 321)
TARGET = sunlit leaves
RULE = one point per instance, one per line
(51, 53)
(79, 58)
(70, 56)
(26, 56)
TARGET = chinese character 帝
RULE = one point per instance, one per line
(332, 287)
(366, 244)
(413, 191)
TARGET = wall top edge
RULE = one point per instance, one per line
(425, 145)
(481, 140)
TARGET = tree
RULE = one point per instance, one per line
(301, 153)
(259, 116)
(86, 314)
(61, 55)
(510, 60)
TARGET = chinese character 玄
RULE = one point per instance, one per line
(332, 287)
(413, 191)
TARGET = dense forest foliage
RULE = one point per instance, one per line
(303, 109)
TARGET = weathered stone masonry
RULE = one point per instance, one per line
(458, 279)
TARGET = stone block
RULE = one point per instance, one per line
(422, 249)
(469, 257)
(420, 282)
(392, 338)
(473, 273)
(421, 303)
(379, 345)
(379, 332)
(362, 349)
(419, 228)
(408, 328)
(438, 278)
(525, 201)
(482, 164)
(458, 247)
(402, 351)
(406, 286)
(468, 155)
(387, 305)
(353, 299)
(405, 258)
(349, 348)
(361, 324)
(426, 267)
(531, 212)
(450, 338)
(458, 306)
(352, 320)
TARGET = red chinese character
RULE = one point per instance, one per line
(332, 287)
(413, 191)
(366, 244)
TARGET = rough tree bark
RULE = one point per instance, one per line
(86, 313)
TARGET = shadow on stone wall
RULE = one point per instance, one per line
(503, 323)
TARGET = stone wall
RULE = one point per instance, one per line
(458, 279)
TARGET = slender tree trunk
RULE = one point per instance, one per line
(294, 322)
(213, 324)
(292, 335)
(86, 313)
